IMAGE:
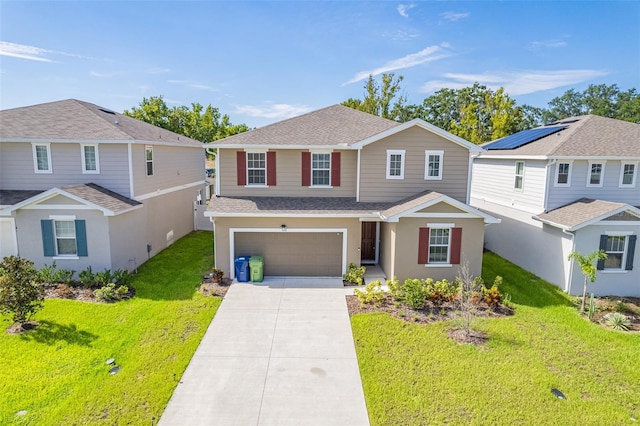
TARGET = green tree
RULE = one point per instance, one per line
(588, 267)
(381, 99)
(195, 121)
(21, 291)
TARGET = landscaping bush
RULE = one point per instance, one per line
(64, 291)
(109, 293)
(371, 294)
(87, 277)
(617, 321)
(105, 277)
(355, 274)
(441, 291)
(21, 290)
(414, 293)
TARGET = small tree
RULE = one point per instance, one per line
(588, 266)
(469, 287)
(21, 291)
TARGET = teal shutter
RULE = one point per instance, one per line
(81, 237)
(631, 251)
(48, 243)
(603, 246)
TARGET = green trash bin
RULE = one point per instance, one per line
(256, 266)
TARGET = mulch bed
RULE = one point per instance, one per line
(64, 291)
(209, 288)
(629, 306)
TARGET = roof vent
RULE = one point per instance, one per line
(117, 122)
(108, 111)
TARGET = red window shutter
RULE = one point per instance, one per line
(335, 169)
(456, 246)
(423, 246)
(241, 161)
(271, 168)
(306, 169)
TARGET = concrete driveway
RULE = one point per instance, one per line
(279, 352)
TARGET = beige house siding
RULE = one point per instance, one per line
(127, 239)
(288, 177)
(172, 167)
(222, 226)
(374, 186)
(387, 248)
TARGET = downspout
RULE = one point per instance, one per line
(548, 185)
(215, 258)
(358, 177)
(567, 286)
(130, 158)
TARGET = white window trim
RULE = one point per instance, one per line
(83, 158)
(515, 175)
(599, 185)
(426, 165)
(635, 174)
(55, 237)
(448, 226)
(555, 181)
(330, 169)
(266, 169)
(35, 158)
(623, 261)
(146, 161)
(391, 152)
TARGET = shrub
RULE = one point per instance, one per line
(121, 277)
(49, 274)
(414, 293)
(217, 275)
(21, 291)
(371, 294)
(355, 274)
(617, 321)
(87, 277)
(64, 291)
(109, 293)
(122, 292)
(394, 288)
(442, 291)
(66, 276)
(105, 277)
(492, 296)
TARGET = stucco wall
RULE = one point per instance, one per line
(127, 240)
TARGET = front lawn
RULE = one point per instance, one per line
(57, 372)
(414, 374)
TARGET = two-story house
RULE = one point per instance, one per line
(314, 193)
(568, 186)
(85, 186)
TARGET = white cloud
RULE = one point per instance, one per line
(453, 17)
(403, 9)
(514, 83)
(22, 51)
(428, 54)
(107, 74)
(158, 70)
(280, 111)
(548, 44)
(400, 35)
(193, 84)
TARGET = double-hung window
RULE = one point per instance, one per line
(439, 245)
(563, 174)
(596, 174)
(395, 164)
(320, 169)
(433, 165)
(628, 173)
(439, 242)
(519, 177)
(90, 159)
(256, 168)
(148, 153)
(65, 237)
(41, 158)
(620, 250)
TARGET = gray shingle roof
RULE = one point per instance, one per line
(72, 119)
(584, 210)
(329, 126)
(9, 197)
(101, 197)
(589, 136)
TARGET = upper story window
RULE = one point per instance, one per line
(395, 164)
(41, 158)
(596, 174)
(148, 152)
(90, 159)
(433, 165)
(256, 168)
(628, 173)
(320, 169)
(519, 178)
(563, 174)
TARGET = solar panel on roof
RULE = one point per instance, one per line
(522, 138)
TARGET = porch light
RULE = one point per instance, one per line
(283, 227)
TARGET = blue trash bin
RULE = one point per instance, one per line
(242, 268)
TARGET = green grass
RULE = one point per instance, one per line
(415, 375)
(57, 372)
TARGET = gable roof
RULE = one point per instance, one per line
(584, 136)
(331, 207)
(74, 120)
(584, 212)
(94, 196)
(336, 125)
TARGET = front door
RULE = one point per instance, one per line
(368, 244)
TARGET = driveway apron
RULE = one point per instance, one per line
(279, 352)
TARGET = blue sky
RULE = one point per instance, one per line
(261, 62)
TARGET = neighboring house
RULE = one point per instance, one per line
(337, 186)
(569, 186)
(85, 186)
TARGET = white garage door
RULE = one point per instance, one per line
(294, 253)
(8, 243)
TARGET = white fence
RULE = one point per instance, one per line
(200, 222)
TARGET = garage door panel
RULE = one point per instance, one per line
(293, 253)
